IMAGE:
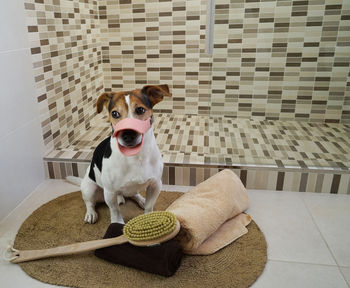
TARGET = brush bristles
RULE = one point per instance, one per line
(150, 226)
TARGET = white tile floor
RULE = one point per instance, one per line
(308, 236)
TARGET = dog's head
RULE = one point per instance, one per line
(134, 106)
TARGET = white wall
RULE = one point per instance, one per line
(21, 145)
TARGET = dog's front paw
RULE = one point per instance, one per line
(91, 217)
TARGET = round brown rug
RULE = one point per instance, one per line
(60, 222)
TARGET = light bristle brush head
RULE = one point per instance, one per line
(150, 226)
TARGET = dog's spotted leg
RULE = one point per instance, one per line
(112, 202)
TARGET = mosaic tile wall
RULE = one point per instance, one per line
(275, 155)
(272, 59)
(251, 177)
(282, 59)
(215, 140)
(66, 53)
(152, 42)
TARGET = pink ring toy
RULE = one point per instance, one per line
(137, 125)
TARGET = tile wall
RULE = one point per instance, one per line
(253, 177)
(66, 53)
(273, 155)
(271, 60)
(152, 42)
(282, 60)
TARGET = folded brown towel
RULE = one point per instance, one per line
(163, 259)
(206, 207)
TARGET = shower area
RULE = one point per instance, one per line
(262, 88)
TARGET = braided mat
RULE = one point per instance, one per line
(60, 222)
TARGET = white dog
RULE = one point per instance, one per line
(129, 161)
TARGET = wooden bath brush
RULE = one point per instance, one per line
(144, 230)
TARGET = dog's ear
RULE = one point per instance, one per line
(155, 93)
(103, 100)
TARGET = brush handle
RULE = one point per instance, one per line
(76, 248)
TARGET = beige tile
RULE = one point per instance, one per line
(288, 275)
(311, 182)
(299, 240)
(179, 176)
(186, 176)
(82, 169)
(261, 179)
(296, 182)
(344, 185)
(251, 174)
(327, 183)
(272, 180)
(288, 181)
(331, 214)
(199, 175)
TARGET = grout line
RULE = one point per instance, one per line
(313, 264)
(324, 239)
(347, 282)
(14, 50)
(305, 263)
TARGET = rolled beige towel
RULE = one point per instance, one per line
(205, 209)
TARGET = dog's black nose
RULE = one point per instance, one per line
(129, 136)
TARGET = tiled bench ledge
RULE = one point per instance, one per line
(273, 155)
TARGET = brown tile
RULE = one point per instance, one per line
(303, 182)
(244, 177)
(335, 183)
(172, 175)
(280, 181)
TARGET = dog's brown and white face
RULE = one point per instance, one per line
(132, 104)
(135, 104)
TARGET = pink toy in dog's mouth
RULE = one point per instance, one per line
(129, 134)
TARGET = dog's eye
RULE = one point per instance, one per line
(115, 114)
(140, 110)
